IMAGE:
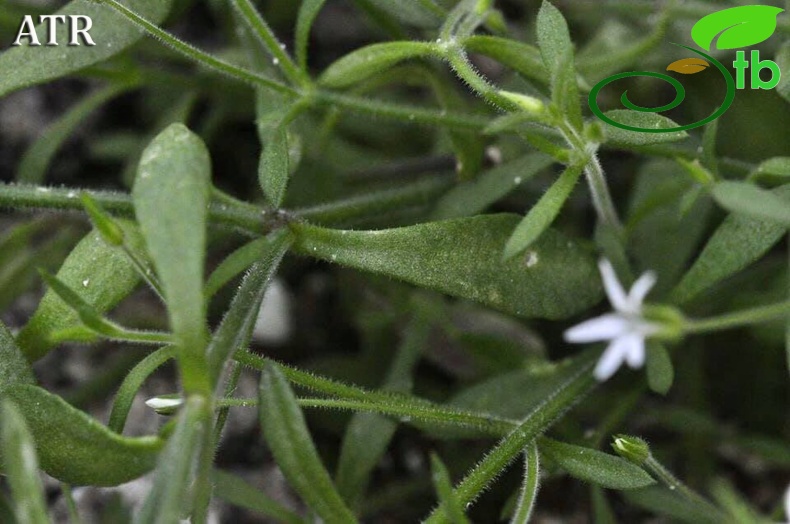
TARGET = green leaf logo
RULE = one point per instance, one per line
(739, 27)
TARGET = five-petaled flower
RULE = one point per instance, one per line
(626, 328)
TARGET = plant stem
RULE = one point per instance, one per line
(739, 318)
(199, 56)
(20, 196)
(674, 484)
(267, 37)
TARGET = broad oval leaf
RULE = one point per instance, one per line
(103, 274)
(555, 279)
(171, 196)
(367, 61)
(741, 26)
(738, 242)
(773, 167)
(74, 447)
(750, 200)
(597, 467)
(616, 136)
(24, 66)
(21, 466)
(688, 66)
(286, 434)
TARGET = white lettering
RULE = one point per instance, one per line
(76, 31)
(30, 33)
(52, 30)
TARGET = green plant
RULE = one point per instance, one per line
(703, 225)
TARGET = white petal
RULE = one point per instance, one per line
(635, 352)
(611, 285)
(610, 361)
(640, 289)
(787, 504)
(605, 327)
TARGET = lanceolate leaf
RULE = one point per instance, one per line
(77, 449)
(103, 274)
(543, 213)
(750, 200)
(308, 12)
(555, 279)
(738, 242)
(25, 65)
(21, 466)
(617, 136)
(287, 435)
(736, 27)
(171, 195)
(596, 466)
(375, 58)
(444, 488)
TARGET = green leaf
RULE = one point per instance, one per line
(737, 243)
(368, 435)
(736, 27)
(235, 330)
(35, 162)
(783, 61)
(171, 196)
(235, 263)
(308, 12)
(660, 373)
(238, 492)
(773, 167)
(595, 466)
(558, 278)
(274, 169)
(287, 436)
(543, 213)
(623, 137)
(556, 47)
(529, 486)
(444, 488)
(370, 60)
(474, 197)
(103, 275)
(662, 501)
(419, 13)
(525, 59)
(20, 465)
(752, 201)
(74, 447)
(14, 368)
(169, 497)
(111, 32)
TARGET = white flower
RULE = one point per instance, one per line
(626, 328)
(787, 505)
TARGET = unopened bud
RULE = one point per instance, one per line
(633, 449)
(165, 404)
(527, 103)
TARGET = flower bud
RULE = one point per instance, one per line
(527, 103)
(165, 404)
(633, 449)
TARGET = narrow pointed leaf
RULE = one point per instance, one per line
(595, 466)
(419, 13)
(171, 195)
(103, 274)
(111, 32)
(168, 499)
(557, 280)
(542, 214)
(624, 137)
(750, 200)
(523, 58)
(274, 169)
(308, 12)
(473, 197)
(444, 488)
(738, 242)
(556, 48)
(74, 447)
(736, 27)
(235, 330)
(529, 486)
(236, 491)
(35, 162)
(370, 60)
(287, 436)
(236, 263)
(20, 465)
